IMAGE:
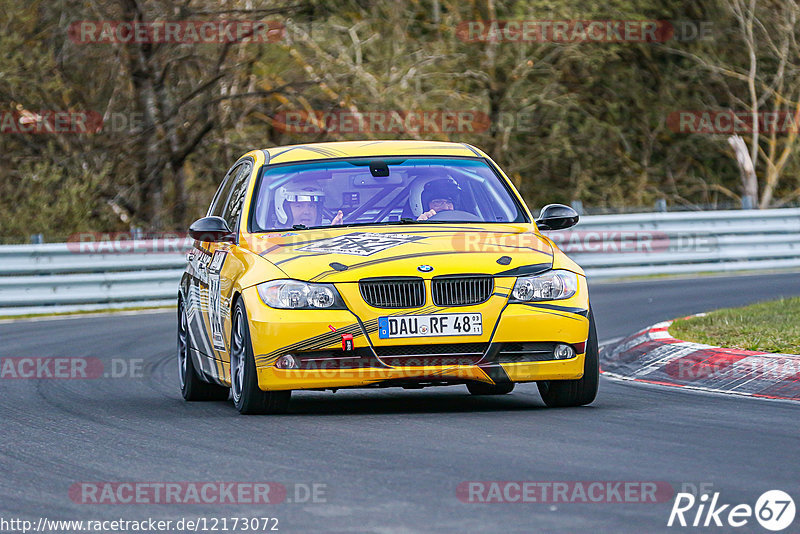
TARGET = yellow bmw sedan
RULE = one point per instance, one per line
(376, 264)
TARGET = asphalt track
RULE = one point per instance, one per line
(390, 460)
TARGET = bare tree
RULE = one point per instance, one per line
(761, 66)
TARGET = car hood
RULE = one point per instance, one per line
(426, 250)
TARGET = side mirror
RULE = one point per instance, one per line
(557, 217)
(211, 229)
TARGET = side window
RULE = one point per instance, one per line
(233, 207)
(223, 192)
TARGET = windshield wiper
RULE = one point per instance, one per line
(408, 220)
(299, 227)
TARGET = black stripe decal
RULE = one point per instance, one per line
(317, 150)
(327, 339)
(496, 372)
(540, 266)
(472, 149)
(293, 244)
(527, 269)
(576, 311)
(299, 256)
(378, 261)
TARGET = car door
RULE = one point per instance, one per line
(224, 268)
(206, 303)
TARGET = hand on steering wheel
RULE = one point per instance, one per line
(427, 215)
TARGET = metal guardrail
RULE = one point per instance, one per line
(66, 277)
(614, 246)
(60, 277)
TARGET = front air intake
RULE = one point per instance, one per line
(461, 290)
(393, 292)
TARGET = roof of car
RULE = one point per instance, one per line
(345, 149)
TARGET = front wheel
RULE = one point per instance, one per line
(247, 397)
(561, 393)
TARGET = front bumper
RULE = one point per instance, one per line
(314, 337)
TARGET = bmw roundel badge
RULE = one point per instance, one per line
(424, 268)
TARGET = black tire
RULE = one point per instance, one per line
(562, 393)
(193, 388)
(482, 388)
(247, 397)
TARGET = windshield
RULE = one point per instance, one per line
(373, 191)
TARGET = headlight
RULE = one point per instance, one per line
(552, 285)
(296, 295)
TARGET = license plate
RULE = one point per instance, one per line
(440, 324)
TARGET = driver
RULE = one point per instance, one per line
(439, 195)
(301, 203)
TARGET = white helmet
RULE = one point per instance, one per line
(415, 196)
(297, 192)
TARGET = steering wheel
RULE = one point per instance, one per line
(455, 215)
